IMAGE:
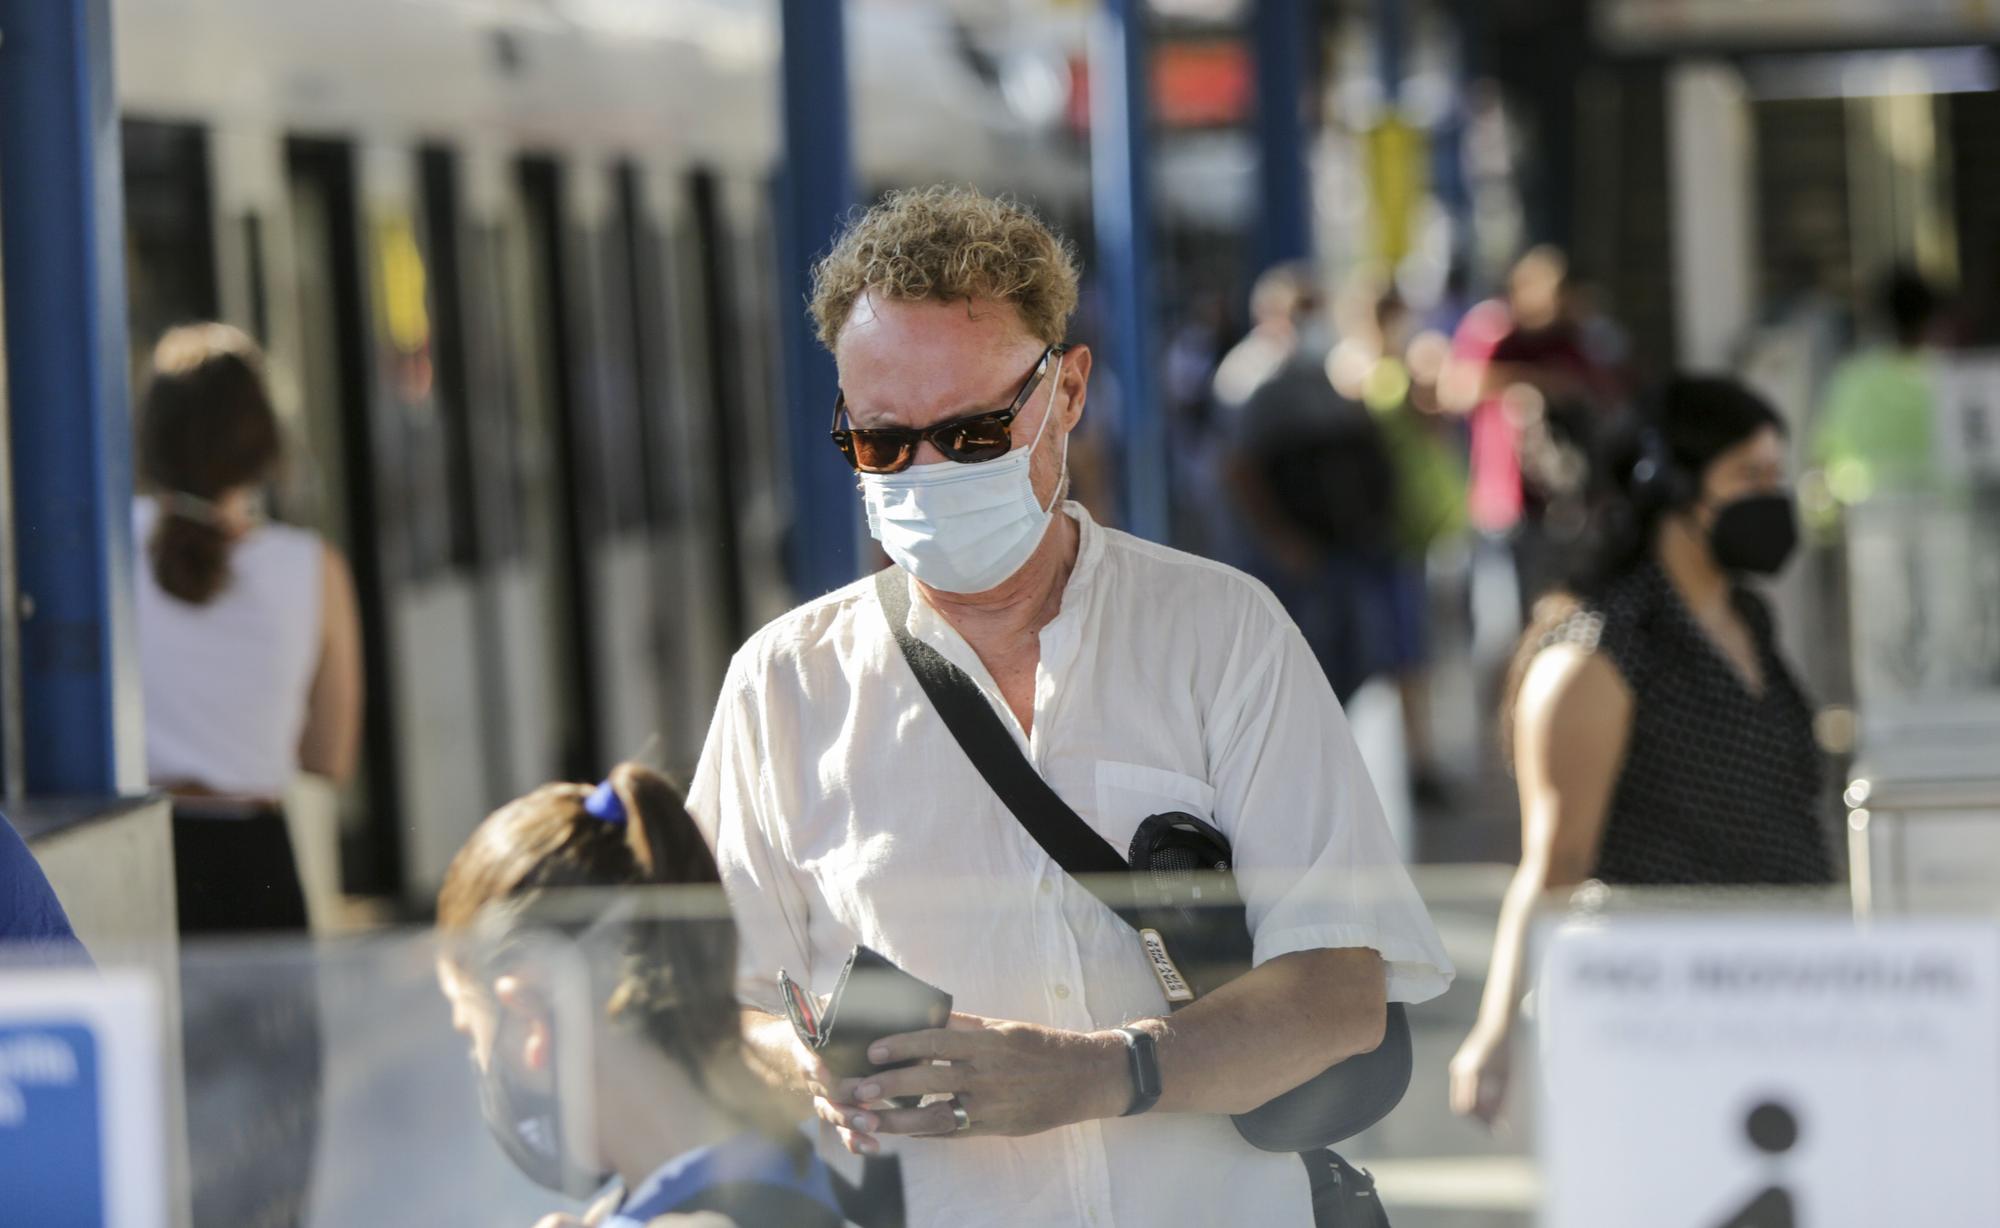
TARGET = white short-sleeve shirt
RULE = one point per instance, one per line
(843, 812)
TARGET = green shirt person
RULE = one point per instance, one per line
(1875, 427)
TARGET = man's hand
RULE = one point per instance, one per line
(1010, 1078)
(783, 1059)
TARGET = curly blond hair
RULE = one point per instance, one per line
(948, 243)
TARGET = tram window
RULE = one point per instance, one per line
(764, 362)
(253, 259)
(494, 396)
(618, 452)
(557, 317)
(416, 483)
(169, 240)
(718, 296)
(652, 350)
(439, 175)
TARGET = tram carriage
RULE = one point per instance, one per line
(514, 266)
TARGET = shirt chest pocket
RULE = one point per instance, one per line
(1130, 793)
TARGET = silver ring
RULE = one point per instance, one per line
(962, 1120)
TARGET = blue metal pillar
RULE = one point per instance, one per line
(1121, 199)
(816, 190)
(1281, 31)
(62, 243)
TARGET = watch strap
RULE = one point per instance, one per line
(1145, 1066)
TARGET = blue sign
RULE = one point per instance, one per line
(51, 1126)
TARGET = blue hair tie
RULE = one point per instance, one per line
(603, 803)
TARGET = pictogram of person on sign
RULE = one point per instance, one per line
(1773, 1129)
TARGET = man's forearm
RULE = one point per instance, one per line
(1270, 1030)
(769, 1044)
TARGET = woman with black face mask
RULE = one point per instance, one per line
(605, 1031)
(1657, 737)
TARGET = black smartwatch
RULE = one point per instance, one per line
(1145, 1070)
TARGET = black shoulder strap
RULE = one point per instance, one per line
(877, 1200)
(1060, 831)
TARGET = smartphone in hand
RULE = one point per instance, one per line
(873, 998)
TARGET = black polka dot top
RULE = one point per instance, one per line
(1720, 786)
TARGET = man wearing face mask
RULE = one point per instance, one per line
(1658, 737)
(1135, 680)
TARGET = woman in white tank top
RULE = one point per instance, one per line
(249, 651)
(249, 641)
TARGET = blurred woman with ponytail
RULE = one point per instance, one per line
(605, 1032)
(249, 641)
(1657, 736)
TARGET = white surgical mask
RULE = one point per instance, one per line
(963, 528)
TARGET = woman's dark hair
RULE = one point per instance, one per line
(206, 427)
(1643, 470)
(1652, 465)
(670, 979)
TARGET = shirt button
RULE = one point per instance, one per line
(1062, 991)
(1048, 886)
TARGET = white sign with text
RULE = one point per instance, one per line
(1736, 1071)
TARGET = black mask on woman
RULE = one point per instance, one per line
(1755, 534)
(528, 1125)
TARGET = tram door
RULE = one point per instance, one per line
(424, 533)
(726, 436)
(613, 475)
(486, 378)
(333, 376)
(683, 693)
(543, 311)
(506, 395)
(698, 534)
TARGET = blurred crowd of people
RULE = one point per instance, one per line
(1349, 440)
(1347, 437)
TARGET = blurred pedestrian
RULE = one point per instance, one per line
(1193, 353)
(1874, 433)
(661, 1097)
(1313, 485)
(1395, 376)
(1658, 737)
(1285, 318)
(249, 640)
(1534, 394)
